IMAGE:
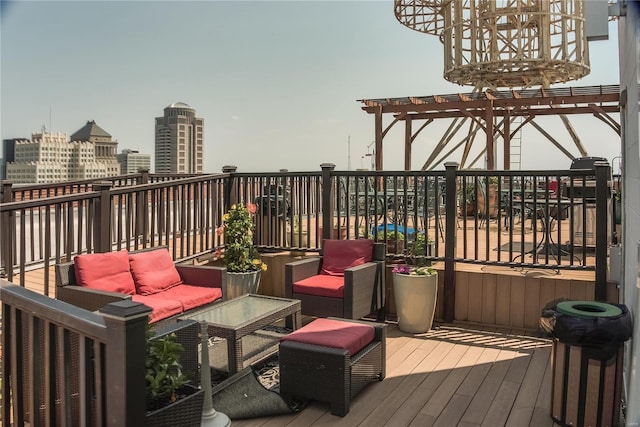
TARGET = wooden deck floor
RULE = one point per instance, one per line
(454, 375)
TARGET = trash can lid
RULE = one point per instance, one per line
(588, 309)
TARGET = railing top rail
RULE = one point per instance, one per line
(164, 184)
(527, 173)
(271, 174)
(47, 201)
(44, 186)
(61, 313)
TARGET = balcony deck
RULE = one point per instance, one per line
(455, 375)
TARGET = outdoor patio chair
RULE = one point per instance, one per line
(346, 281)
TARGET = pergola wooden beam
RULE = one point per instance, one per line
(484, 106)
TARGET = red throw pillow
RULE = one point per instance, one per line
(106, 272)
(153, 271)
(339, 255)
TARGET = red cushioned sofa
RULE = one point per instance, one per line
(148, 276)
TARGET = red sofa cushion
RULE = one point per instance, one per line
(322, 285)
(338, 255)
(335, 334)
(106, 272)
(153, 271)
(190, 296)
(162, 307)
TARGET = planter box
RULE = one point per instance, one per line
(185, 412)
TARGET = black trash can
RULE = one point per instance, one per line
(586, 360)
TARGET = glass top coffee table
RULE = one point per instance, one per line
(241, 316)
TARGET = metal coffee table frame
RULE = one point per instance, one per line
(240, 317)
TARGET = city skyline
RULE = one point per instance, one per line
(276, 88)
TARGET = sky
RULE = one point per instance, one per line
(277, 83)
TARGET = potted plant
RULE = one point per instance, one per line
(240, 255)
(395, 240)
(467, 199)
(170, 399)
(491, 197)
(415, 290)
(419, 249)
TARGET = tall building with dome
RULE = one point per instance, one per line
(179, 140)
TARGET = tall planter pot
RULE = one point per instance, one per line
(415, 298)
(185, 412)
(239, 284)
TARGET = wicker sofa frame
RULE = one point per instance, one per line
(363, 289)
(330, 374)
(69, 291)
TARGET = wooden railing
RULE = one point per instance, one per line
(568, 229)
(63, 365)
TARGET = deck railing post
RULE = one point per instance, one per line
(7, 227)
(327, 205)
(602, 223)
(125, 362)
(450, 241)
(102, 217)
(142, 204)
(230, 187)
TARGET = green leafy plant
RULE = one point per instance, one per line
(414, 271)
(240, 255)
(390, 235)
(420, 248)
(164, 376)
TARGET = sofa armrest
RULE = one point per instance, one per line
(205, 276)
(298, 270)
(202, 275)
(87, 298)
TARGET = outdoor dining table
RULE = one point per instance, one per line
(547, 211)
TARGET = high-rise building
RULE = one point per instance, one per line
(179, 140)
(132, 161)
(50, 157)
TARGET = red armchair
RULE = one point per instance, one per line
(346, 281)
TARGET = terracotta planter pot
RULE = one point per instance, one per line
(415, 298)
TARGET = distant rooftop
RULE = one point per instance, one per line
(180, 105)
(91, 129)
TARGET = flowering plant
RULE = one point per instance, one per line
(240, 255)
(414, 271)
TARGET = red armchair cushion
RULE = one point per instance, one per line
(335, 334)
(322, 285)
(153, 271)
(339, 255)
(190, 296)
(106, 272)
(162, 308)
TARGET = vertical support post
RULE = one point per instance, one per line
(602, 225)
(7, 228)
(230, 187)
(379, 136)
(450, 249)
(327, 199)
(491, 160)
(407, 143)
(125, 362)
(102, 217)
(142, 204)
(506, 137)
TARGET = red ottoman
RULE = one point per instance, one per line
(331, 360)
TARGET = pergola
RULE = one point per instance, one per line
(493, 112)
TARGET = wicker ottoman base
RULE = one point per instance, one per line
(330, 374)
